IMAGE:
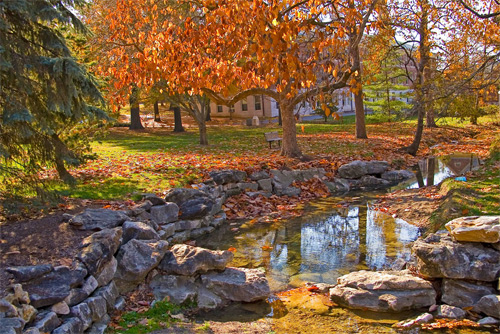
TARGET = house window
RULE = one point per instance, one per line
(244, 105)
(231, 109)
(257, 102)
(219, 108)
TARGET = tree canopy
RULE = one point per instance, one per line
(46, 95)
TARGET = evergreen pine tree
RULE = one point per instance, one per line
(46, 96)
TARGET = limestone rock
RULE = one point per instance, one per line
(70, 326)
(188, 260)
(489, 305)
(397, 175)
(376, 167)
(450, 312)
(135, 260)
(369, 182)
(17, 295)
(107, 272)
(183, 225)
(27, 273)
(463, 293)
(488, 321)
(60, 308)
(281, 179)
(27, 312)
(291, 191)
(100, 326)
(265, 185)
(178, 289)
(98, 219)
(46, 322)
(201, 231)
(98, 249)
(228, 176)
(11, 325)
(238, 284)
(138, 230)
(78, 295)
(383, 291)
(259, 175)
(353, 170)
(54, 286)
(98, 307)
(141, 208)
(207, 300)
(196, 207)
(181, 195)
(164, 214)
(155, 200)
(110, 294)
(8, 309)
(83, 313)
(475, 229)
(248, 186)
(338, 186)
(439, 256)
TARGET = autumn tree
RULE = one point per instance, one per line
(47, 99)
(228, 50)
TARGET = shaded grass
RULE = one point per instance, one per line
(157, 317)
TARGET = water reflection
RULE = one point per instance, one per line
(435, 170)
(321, 246)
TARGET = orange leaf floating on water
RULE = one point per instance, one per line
(232, 249)
(266, 248)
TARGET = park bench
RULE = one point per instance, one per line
(272, 136)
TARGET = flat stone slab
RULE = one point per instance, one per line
(475, 229)
(384, 291)
(440, 256)
(98, 219)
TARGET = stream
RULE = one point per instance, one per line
(333, 237)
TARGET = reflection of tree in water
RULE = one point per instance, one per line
(350, 239)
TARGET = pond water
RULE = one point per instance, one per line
(331, 239)
(434, 170)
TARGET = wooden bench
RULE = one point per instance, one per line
(272, 136)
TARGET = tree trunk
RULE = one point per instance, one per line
(177, 120)
(358, 96)
(280, 117)
(388, 103)
(203, 133)
(290, 147)
(61, 150)
(430, 121)
(431, 167)
(208, 118)
(157, 112)
(413, 148)
(135, 118)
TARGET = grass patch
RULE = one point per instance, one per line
(157, 317)
(478, 196)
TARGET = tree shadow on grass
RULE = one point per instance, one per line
(107, 189)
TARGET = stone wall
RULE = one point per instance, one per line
(131, 245)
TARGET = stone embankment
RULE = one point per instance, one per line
(132, 247)
(461, 266)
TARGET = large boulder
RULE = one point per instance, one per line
(164, 214)
(98, 219)
(135, 260)
(259, 175)
(463, 293)
(188, 260)
(282, 179)
(353, 170)
(98, 249)
(440, 256)
(383, 291)
(228, 176)
(338, 186)
(238, 284)
(137, 230)
(475, 229)
(369, 182)
(77, 295)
